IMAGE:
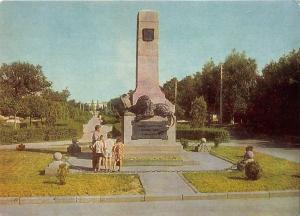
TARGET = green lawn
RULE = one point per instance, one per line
(278, 174)
(21, 175)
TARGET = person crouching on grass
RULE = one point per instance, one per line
(118, 150)
(109, 144)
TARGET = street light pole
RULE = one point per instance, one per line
(221, 95)
(175, 94)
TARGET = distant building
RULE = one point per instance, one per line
(97, 104)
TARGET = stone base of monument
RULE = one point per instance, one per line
(152, 131)
(149, 137)
(152, 138)
(144, 149)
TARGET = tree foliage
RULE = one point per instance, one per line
(22, 79)
(275, 103)
(25, 91)
(240, 73)
(198, 112)
(18, 80)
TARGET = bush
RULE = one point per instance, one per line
(59, 133)
(253, 170)
(184, 143)
(109, 119)
(197, 133)
(9, 135)
(116, 130)
(23, 125)
(62, 173)
(20, 147)
(198, 112)
(217, 142)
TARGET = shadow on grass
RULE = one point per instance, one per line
(83, 155)
(51, 182)
(47, 151)
(41, 172)
(82, 168)
(238, 178)
(296, 176)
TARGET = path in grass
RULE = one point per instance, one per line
(164, 183)
(278, 174)
(89, 128)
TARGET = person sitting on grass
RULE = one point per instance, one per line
(109, 144)
(118, 151)
(248, 157)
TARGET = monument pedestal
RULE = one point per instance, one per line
(142, 133)
(149, 137)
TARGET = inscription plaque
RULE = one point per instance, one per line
(149, 130)
(148, 34)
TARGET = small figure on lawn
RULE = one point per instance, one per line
(202, 147)
(248, 157)
(53, 167)
(74, 148)
(20, 147)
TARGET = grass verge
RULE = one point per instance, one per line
(278, 174)
(21, 175)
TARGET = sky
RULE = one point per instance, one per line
(90, 47)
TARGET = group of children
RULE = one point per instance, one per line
(104, 150)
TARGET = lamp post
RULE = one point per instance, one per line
(175, 94)
(221, 94)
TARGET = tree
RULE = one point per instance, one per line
(20, 80)
(57, 96)
(239, 81)
(198, 112)
(169, 90)
(208, 85)
(186, 94)
(35, 107)
(275, 103)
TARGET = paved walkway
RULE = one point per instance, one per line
(204, 160)
(89, 128)
(160, 180)
(283, 206)
(164, 183)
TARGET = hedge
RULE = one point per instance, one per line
(210, 134)
(9, 136)
(109, 119)
(116, 130)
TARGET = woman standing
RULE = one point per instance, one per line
(118, 153)
(95, 137)
(109, 144)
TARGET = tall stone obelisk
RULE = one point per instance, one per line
(147, 79)
(151, 135)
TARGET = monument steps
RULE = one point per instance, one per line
(159, 148)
